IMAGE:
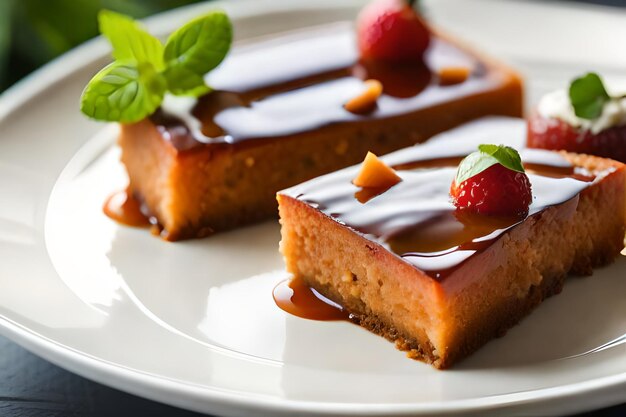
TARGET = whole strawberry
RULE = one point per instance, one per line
(391, 30)
(492, 181)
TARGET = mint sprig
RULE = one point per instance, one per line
(130, 40)
(134, 85)
(505, 155)
(485, 157)
(120, 92)
(195, 49)
(588, 96)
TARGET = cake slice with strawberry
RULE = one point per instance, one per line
(456, 249)
(586, 118)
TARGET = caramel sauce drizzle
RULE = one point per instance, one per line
(416, 220)
(247, 106)
(295, 297)
(122, 207)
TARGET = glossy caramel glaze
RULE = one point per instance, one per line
(307, 81)
(297, 298)
(415, 218)
(122, 207)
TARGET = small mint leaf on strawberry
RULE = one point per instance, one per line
(492, 181)
(505, 155)
(486, 156)
(588, 96)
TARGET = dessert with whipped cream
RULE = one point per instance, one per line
(589, 117)
(283, 110)
(446, 252)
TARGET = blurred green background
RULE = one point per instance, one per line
(32, 32)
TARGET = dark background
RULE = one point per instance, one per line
(32, 32)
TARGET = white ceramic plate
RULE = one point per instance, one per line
(193, 324)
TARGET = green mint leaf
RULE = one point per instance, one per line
(133, 87)
(196, 48)
(473, 164)
(505, 155)
(123, 92)
(130, 41)
(588, 96)
(185, 82)
(485, 157)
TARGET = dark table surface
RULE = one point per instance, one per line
(33, 387)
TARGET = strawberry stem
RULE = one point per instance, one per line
(412, 3)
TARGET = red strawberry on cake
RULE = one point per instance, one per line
(492, 181)
(391, 30)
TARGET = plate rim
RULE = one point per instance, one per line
(202, 398)
(194, 397)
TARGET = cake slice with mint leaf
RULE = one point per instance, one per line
(209, 134)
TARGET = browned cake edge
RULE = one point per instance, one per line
(340, 264)
(464, 312)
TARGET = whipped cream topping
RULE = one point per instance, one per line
(557, 105)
